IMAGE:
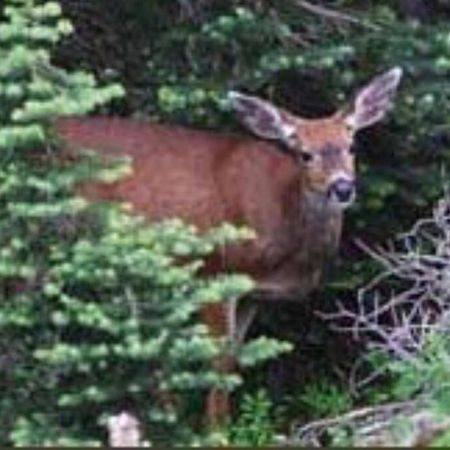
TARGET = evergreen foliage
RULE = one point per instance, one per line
(97, 314)
(99, 311)
(255, 422)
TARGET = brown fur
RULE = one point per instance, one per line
(206, 179)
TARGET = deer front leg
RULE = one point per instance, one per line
(226, 320)
(220, 320)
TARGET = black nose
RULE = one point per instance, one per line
(343, 189)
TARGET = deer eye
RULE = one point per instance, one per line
(306, 156)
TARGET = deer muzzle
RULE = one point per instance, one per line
(342, 191)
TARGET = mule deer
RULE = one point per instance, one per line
(291, 185)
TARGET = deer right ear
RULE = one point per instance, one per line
(374, 100)
(261, 117)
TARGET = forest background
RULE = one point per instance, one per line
(72, 352)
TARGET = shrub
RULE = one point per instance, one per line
(254, 425)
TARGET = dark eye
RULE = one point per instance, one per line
(306, 156)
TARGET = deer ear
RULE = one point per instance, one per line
(261, 117)
(374, 100)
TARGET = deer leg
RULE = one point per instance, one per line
(220, 319)
(233, 321)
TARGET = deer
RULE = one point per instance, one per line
(290, 181)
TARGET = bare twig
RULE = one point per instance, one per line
(398, 309)
(335, 15)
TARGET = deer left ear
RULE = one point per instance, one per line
(374, 100)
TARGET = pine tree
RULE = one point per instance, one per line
(97, 312)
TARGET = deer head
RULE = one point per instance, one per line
(321, 147)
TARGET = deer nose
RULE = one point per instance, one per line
(343, 189)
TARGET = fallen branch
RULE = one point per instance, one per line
(364, 421)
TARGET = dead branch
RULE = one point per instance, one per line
(366, 422)
(378, 427)
(399, 308)
(334, 15)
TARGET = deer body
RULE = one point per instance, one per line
(292, 196)
(216, 179)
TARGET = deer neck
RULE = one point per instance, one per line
(316, 224)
